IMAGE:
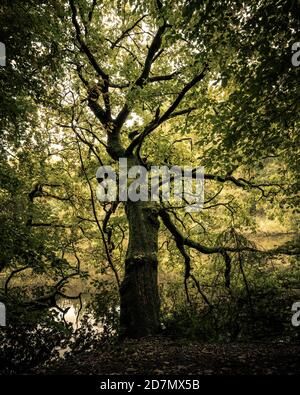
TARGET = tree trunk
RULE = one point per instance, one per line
(139, 289)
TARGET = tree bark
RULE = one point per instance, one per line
(140, 303)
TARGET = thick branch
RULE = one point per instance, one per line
(179, 239)
(83, 45)
(142, 79)
(167, 114)
(11, 276)
(93, 61)
(285, 250)
(125, 33)
(157, 78)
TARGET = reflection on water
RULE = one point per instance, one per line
(75, 310)
(72, 316)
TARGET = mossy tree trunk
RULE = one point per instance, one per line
(139, 290)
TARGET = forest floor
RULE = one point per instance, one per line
(159, 355)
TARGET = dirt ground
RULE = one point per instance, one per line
(157, 355)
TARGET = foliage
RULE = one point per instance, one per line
(25, 344)
(219, 90)
(259, 311)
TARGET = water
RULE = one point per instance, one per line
(76, 311)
